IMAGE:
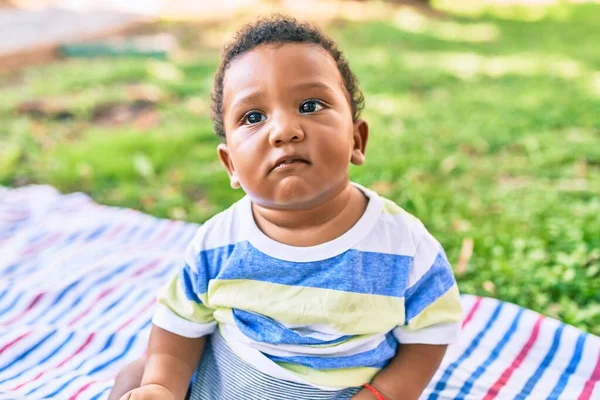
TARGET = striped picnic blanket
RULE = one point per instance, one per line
(77, 286)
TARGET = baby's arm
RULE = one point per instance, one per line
(407, 375)
(171, 361)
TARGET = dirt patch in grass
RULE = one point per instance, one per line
(139, 112)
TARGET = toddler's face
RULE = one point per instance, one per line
(288, 125)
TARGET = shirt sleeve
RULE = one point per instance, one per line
(181, 307)
(433, 312)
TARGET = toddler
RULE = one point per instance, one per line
(311, 286)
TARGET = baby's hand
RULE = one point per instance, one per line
(149, 392)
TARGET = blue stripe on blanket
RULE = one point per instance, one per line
(531, 382)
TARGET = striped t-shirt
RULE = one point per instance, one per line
(329, 315)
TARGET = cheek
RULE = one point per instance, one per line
(334, 144)
(247, 155)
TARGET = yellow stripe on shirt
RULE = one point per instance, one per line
(445, 309)
(173, 296)
(307, 305)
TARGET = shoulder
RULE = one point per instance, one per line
(405, 235)
(220, 231)
(398, 218)
(397, 231)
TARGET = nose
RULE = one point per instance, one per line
(285, 129)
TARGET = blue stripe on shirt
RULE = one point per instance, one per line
(375, 358)
(265, 330)
(208, 265)
(352, 271)
(432, 285)
(191, 283)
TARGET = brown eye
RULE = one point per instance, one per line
(254, 118)
(310, 106)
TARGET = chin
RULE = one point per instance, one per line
(293, 192)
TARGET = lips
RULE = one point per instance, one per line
(284, 161)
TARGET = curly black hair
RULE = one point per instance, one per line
(279, 29)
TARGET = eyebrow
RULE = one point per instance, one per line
(312, 85)
(240, 100)
(321, 85)
(252, 95)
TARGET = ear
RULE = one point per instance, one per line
(225, 158)
(361, 136)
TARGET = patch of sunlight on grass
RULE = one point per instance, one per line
(375, 57)
(470, 65)
(392, 106)
(411, 21)
(164, 71)
(349, 10)
(595, 84)
(326, 11)
(534, 11)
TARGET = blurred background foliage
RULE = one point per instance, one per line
(485, 123)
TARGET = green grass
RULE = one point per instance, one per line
(486, 127)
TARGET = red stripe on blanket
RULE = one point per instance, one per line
(85, 387)
(586, 393)
(79, 350)
(102, 295)
(472, 312)
(29, 307)
(13, 217)
(15, 341)
(38, 376)
(499, 384)
(147, 267)
(39, 246)
(81, 390)
(141, 312)
(116, 231)
(165, 230)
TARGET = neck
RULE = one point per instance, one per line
(325, 221)
(318, 214)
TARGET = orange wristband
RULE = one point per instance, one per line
(375, 392)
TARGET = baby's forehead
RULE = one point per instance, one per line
(273, 52)
(289, 65)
